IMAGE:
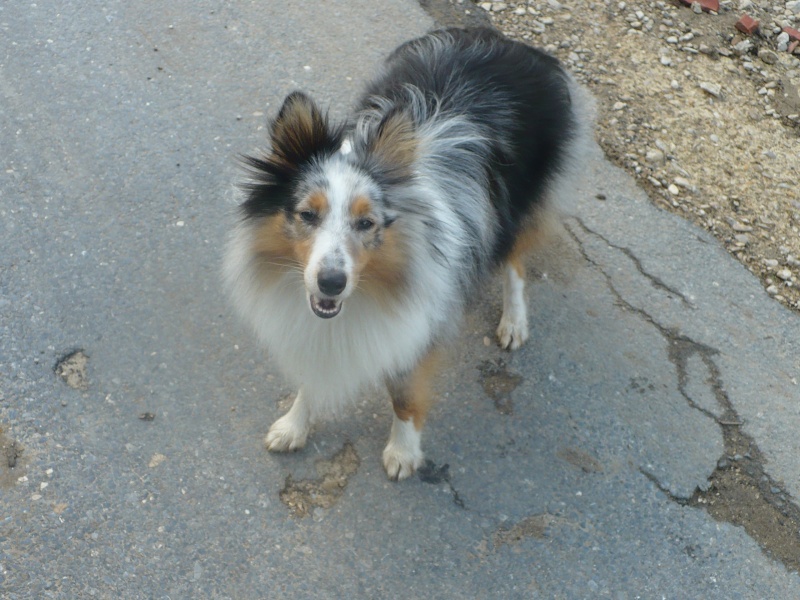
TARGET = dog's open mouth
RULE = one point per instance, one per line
(325, 308)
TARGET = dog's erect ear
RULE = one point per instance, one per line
(300, 131)
(392, 145)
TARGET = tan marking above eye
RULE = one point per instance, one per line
(318, 202)
(361, 206)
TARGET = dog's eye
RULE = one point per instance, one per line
(308, 216)
(365, 224)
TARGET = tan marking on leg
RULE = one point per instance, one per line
(411, 396)
(532, 236)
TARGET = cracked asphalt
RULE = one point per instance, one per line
(642, 445)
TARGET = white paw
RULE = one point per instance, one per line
(400, 462)
(403, 454)
(286, 434)
(512, 331)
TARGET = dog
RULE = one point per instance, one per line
(359, 244)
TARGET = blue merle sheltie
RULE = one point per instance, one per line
(360, 243)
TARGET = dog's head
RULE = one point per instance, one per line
(321, 204)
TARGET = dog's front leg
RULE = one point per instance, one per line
(411, 400)
(291, 430)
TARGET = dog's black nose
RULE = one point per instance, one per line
(331, 282)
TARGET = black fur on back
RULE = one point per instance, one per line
(518, 95)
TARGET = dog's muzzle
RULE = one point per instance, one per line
(331, 282)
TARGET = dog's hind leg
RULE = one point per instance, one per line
(411, 400)
(513, 329)
(291, 430)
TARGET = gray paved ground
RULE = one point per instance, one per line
(569, 463)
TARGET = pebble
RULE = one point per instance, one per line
(782, 41)
(742, 228)
(655, 157)
(536, 26)
(665, 60)
(673, 189)
(784, 274)
(772, 290)
(770, 262)
(619, 105)
(712, 88)
(697, 8)
(767, 56)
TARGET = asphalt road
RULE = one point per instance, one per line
(574, 468)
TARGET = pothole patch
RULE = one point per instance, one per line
(535, 526)
(741, 493)
(72, 369)
(498, 383)
(580, 459)
(303, 496)
(12, 461)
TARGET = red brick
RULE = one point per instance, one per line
(706, 5)
(793, 46)
(709, 5)
(747, 24)
(793, 33)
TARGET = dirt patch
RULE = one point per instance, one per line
(535, 526)
(742, 494)
(72, 369)
(740, 491)
(12, 461)
(302, 497)
(578, 458)
(498, 383)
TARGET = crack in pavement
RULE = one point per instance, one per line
(657, 282)
(740, 491)
(430, 473)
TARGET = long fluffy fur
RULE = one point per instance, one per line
(459, 145)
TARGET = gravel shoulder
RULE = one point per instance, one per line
(705, 117)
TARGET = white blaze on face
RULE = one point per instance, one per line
(332, 246)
